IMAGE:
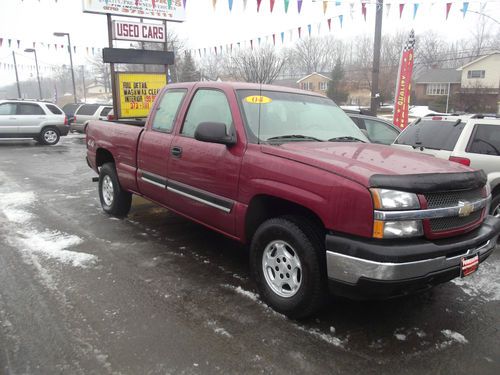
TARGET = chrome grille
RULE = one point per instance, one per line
(454, 222)
(451, 198)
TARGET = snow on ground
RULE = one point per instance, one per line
(485, 283)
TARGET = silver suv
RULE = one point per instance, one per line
(89, 112)
(42, 121)
(469, 140)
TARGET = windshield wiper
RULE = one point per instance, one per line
(346, 138)
(294, 136)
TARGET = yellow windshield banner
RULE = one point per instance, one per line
(258, 99)
(137, 92)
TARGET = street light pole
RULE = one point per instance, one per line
(375, 96)
(37, 72)
(17, 76)
(84, 85)
(71, 63)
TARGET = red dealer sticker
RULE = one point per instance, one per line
(469, 265)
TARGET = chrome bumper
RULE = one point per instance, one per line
(350, 269)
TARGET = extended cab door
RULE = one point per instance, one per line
(153, 152)
(202, 176)
(8, 119)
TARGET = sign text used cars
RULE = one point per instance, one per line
(146, 32)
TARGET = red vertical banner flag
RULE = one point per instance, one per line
(403, 86)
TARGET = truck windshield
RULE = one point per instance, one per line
(279, 117)
(433, 134)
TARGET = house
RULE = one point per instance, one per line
(480, 84)
(437, 88)
(315, 82)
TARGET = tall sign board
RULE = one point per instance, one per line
(158, 9)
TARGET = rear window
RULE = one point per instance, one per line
(485, 140)
(105, 111)
(52, 108)
(438, 135)
(87, 109)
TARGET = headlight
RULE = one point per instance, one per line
(384, 199)
(397, 229)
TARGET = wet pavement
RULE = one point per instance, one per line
(85, 293)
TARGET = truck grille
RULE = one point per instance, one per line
(452, 199)
(454, 222)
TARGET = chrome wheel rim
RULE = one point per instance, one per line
(496, 211)
(282, 268)
(107, 190)
(50, 136)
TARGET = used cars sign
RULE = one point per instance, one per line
(146, 32)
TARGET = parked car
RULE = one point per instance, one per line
(88, 112)
(70, 109)
(376, 129)
(45, 122)
(472, 140)
(288, 173)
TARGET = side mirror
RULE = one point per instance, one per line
(213, 132)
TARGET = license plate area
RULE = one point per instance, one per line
(469, 265)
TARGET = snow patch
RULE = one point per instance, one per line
(17, 216)
(246, 293)
(485, 283)
(323, 336)
(400, 336)
(455, 336)
(54, 245)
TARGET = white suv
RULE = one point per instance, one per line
(44, 122)
(469, 140)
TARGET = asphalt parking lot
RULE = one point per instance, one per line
(84, 293)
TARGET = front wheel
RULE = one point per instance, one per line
(114, 200)
(49, 136)
(495, 206)
(289, 266)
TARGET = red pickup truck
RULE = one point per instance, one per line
(287, 172)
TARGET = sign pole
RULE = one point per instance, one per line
(17, 77)
(112, 68)
(165, 48)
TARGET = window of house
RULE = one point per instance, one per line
(167, 110)
(437, 89)
(475, 74)
(306, 86)
(207, 106)
(323, 86)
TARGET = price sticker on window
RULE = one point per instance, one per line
(258, 99)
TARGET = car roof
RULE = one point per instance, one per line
(29, 101)
(242, 86)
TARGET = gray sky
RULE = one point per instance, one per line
(36, 20)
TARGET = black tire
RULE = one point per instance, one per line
(495, 205)
(302, 237)
(49, 136)
(114, 200)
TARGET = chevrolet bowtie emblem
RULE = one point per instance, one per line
(466, 208)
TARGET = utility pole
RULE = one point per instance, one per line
(375, 95)
(84, 85)
(17, 77)
(37, 72)
(114, 89)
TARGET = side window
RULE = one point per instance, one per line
(7, 109)
(358, 121)
(207, 106)
(29, 109)
(485, 140)
(167, 110)
(379, 132)
(105, 111)
(87, 110)
(52, 108)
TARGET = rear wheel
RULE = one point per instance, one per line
(49, 136)
(114, 200)
(495, 206)
(288, 264)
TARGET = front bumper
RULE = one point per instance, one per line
(368, 268)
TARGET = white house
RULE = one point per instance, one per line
(483, 72)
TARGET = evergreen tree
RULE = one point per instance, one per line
(336, 87)
(188, 71)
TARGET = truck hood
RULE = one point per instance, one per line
(364, 162)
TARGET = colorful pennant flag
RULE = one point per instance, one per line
(299, 5)
(415, 8)
(363, 9)
(448, 7)
(230, 5)
(258, 5)
(329, 21)
(401, 7)
(465, 7)
(272, 5)
(325, 6)
(287, 3)
(341, 18)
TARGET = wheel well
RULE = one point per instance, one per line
(103, 156)
(50, 127)
(495, 191)
(263, 207)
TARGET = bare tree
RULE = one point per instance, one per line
(261, 66)
(314, 54)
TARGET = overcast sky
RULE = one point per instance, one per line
(36, 20)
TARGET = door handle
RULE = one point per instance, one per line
(12, 118)
(176, 151)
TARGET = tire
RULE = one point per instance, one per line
(114, 200)
(49, 136)
(495, 205)
(289, 251)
